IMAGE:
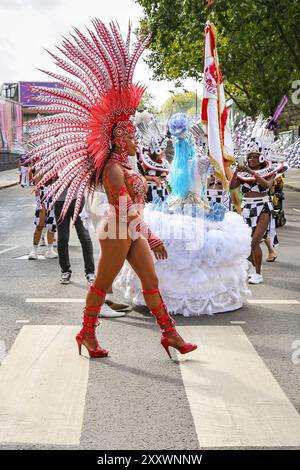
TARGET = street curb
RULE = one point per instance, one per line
(293, 188)
(287, 186)
(9, 185)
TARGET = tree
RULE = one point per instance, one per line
(181, 102)
(146, 103)
(258, 45)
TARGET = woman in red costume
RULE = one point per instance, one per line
(121, 182)
(93, 138)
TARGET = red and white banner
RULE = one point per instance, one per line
(214, 112)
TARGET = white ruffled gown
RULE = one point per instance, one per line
(206, 269)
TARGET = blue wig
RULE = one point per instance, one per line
(181, 174)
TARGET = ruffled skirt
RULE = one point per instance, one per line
(206, 269)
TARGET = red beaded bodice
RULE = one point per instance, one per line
(135, 184)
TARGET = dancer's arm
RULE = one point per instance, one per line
(265, 183)
(114, 183)
(235, 182)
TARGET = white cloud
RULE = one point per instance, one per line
(29, 26)
(40, 5)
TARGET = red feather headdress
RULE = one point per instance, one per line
(89, 111)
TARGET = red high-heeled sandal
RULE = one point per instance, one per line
(89, 325)
(167, 326)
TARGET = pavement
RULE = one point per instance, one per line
(292, 179)
(11, 178)
(240, 389)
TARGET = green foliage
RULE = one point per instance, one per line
(181, 102)
(258, 45)
(146, 103)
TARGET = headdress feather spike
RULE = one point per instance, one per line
(73, 144)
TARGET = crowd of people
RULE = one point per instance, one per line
(173, 236)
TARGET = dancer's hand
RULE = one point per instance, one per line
(156, 180)
(246, 169)
(160, 252)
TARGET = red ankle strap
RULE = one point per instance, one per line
(153, 291)
(97, 291)
(164, 319)
(94, 309)
(154, 312)
(87, 319)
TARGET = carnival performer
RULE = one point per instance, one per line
(154, 163)
(255, 179)
(93, 130)
(216, 193)
(44, 218)
(206, 268)
(24, 170)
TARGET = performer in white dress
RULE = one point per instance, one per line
(206, 269)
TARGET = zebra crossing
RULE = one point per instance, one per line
(233, 398)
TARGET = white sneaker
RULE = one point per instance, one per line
(33, 254)
(251, 270)
(42, 242)
(115, 305)
(51, 254)
(90, 278)
(107, 312)
(65, 277)
(256, 279)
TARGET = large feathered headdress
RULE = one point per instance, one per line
(153, 136)
(89, 112)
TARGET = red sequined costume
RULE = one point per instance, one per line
(88, 138)
(129, 198)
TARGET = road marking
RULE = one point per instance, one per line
(51, 301)
(2, 351)
(22, 321)
(8, 249)
(234, 399)
(43, 385)
(238, 322)
(26, 257)
(296, 210)
(279, 302)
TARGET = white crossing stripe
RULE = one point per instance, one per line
(238, 322)
(234, 399)
(2, 351)
(41, 257)
(274, 301)
(43, 384)
(51, 301)
(8, 249)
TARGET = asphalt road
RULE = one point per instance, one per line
(136, 399)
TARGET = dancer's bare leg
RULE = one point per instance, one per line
(141, 261)
(257, 236)
(271, 251)
(39, 228)
(112, 257)
(50, 237)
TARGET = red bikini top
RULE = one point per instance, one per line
(135, 185)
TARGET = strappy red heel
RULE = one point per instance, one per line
(167, 326)
(89, 325)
